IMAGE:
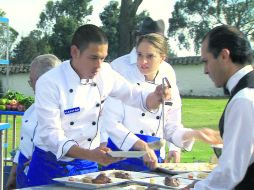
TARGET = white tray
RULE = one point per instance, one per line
(127, 154)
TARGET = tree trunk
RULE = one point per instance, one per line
(126, 25)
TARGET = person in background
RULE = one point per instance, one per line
(68, 102)
(18, 174)
(227, 57)
(127, 66)
(136, 125)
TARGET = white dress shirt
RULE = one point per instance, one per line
(238, 139)
(68, 108)
(127, 120)
(29, 123)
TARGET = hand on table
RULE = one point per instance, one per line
(173, 156)
(150, 159)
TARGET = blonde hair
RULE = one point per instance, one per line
(158, 41)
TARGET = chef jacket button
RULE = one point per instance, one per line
(71, 90)
(94, 84)
(93, 123)
(21, 138)
(26, 121)
(158, 117)
(97, 105)
(143, 114)
(71, 123)
(89, 139)
(138, 83)
(31, 140)
(153, 134)
(141, 131)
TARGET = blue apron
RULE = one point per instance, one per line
(21, 178)
(132, 164)
(44, 167)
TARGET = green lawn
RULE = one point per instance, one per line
(196, 113)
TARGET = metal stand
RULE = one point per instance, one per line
(3, 126)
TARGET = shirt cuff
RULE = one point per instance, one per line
(64, 148)
(129, 141)
(144, 107)
(172, 147)
(16, 157)
(177, 139)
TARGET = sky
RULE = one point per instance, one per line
(24, 14)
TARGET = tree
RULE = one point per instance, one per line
(59, 21)
(126, 25)
(191, 19)
(111, 23)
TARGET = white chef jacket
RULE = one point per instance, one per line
(68, 110)
(238, 139)
(29, 123)
(127, 120)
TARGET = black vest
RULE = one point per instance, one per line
(247, 81)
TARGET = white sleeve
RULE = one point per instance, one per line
(234, 160)
(111, 119)
(16, 157)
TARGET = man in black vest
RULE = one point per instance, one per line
(228, 56)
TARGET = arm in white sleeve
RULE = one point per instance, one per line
(112, 120)
(16, 157)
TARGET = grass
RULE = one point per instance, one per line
(196, 113)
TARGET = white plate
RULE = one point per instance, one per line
(188, 167)
(139, 187)
(127, 154)
(159, 181)
(65, 180)
(195, 175)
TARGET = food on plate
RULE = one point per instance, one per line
(122, 175)
(190, 176)
(188, 166)
(101, 179)
(173, 182)
(152, 180)
(86, 179)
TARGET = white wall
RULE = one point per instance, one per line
(192, 81)
(18, 82)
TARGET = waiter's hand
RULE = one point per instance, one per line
(188, 187)
(209, 136)
(100, 155)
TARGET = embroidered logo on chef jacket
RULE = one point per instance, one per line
(72, 110)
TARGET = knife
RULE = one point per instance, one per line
(166, 171)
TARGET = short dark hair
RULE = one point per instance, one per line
(87, 34)
(229, 37)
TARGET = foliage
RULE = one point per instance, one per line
(59, 21)
(111, 23)
(27, 101)
(191, 19)
(29, 47)
(56, 26)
